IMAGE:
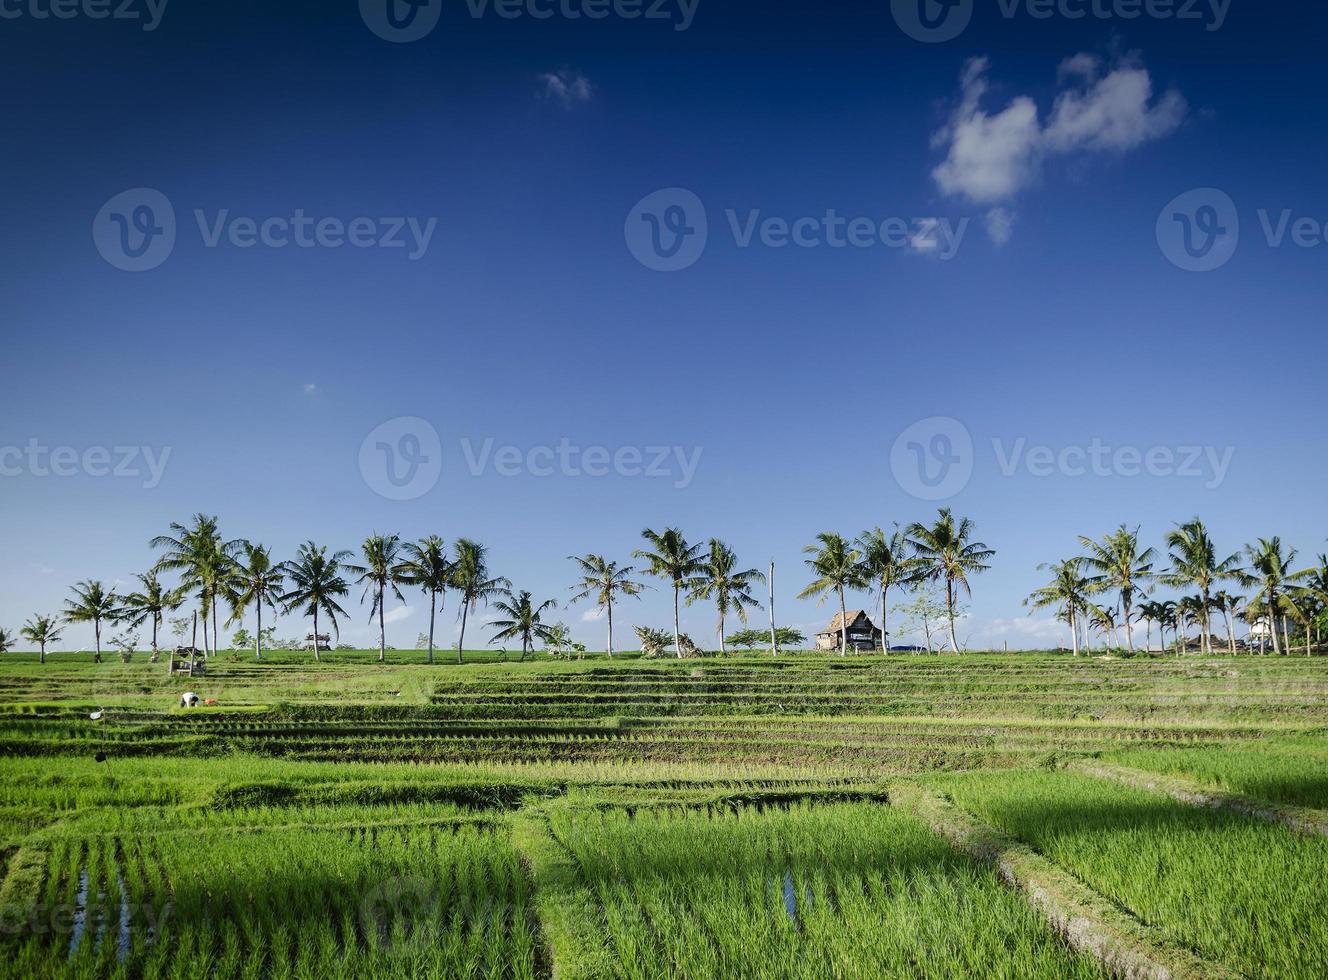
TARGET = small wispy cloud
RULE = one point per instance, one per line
(397, 615)
(1000, 225)
(309, 387)
(566, 87)
(593, 615)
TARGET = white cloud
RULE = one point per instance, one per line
(569, 88)
(1000, 225)
(593, 615)
(397, 615)
(991, 158)
(309, 387)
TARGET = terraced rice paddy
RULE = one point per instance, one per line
(640, 819)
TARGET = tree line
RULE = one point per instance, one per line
(241, 575)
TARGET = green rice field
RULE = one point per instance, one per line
(727, 817)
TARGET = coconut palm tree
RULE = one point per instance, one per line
(255, 581)
(426, 567)
(601, 580)
(1190, 609)
(470, 577)
(7, 641)
(523, 622)
(1122, 567)
(1068, 591)
(730, 589)
(1228, 604)
(1150, 612)
(151, 601)
(1194, 562)
(886, 563)
(92, 603)
(945, 553)
(1269, 573)
(838, 568)
(41, 630)
(380, 573)
(204, 562)
(1103, 619)
(671, 557)
(316, 581)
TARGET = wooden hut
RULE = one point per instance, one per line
(862, 633)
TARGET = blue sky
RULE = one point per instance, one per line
(525, 145)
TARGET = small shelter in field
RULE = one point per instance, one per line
(862, 633)
(324, 641)
(189, 660)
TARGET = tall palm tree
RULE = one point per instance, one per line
(380, 572)
(92, 603)
(523, 620)
(41, 630)
(838, 568)
(316, 582)
(1068, 591)
(204, 562)
(601, 580)
(151, 601)
(1269, 571)
(1316, 586)
(426, 567)
(1122, 567)
(886, 563)
(1194, 562)
(945, 552)
(730, 589)
(671, 557)
(256, 581)
(470, 577)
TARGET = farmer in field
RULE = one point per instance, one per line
(188, 699)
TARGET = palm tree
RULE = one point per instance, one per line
(256, 581)
(838, 567)
(41, 630)
(470, 577)
(674, 559)
(1121, 566)
(1194, 562)
(317, 584)
(204, 562)
(1316, 586)
(1168, 616)
(379, 573)
(523, 621)
(731, 590)
(944, 552)
(92, 603)
(1067, 591)
(7, 641)
(1190, 609)
(1103, 618)
(426, 567)
(601, 580)
(1151, 612)
(1269, 571)
(150, 602)
(1228, 603)
(886, 563)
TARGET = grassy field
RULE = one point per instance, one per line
(700, 818)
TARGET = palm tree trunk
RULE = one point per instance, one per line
(608, 605)
(461, 640)
(382, 629)
(433, 611)
(1272, 620)
(1074, 632)
(1129, 628)
(43, 652)
(774, 633)
(216, 633)
(950, 614)
(883, 640)
(723, 651)
(193, 641)
(258, 634)
(1231, 633)
(677, 635)
(316, 656)
(96, 628)
(1286, 635)
(843, 624)
(156, 620)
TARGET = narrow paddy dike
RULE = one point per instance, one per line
(1300, 819)
(1090, 923)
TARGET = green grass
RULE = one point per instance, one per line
(844, 890)
(1245, 893)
